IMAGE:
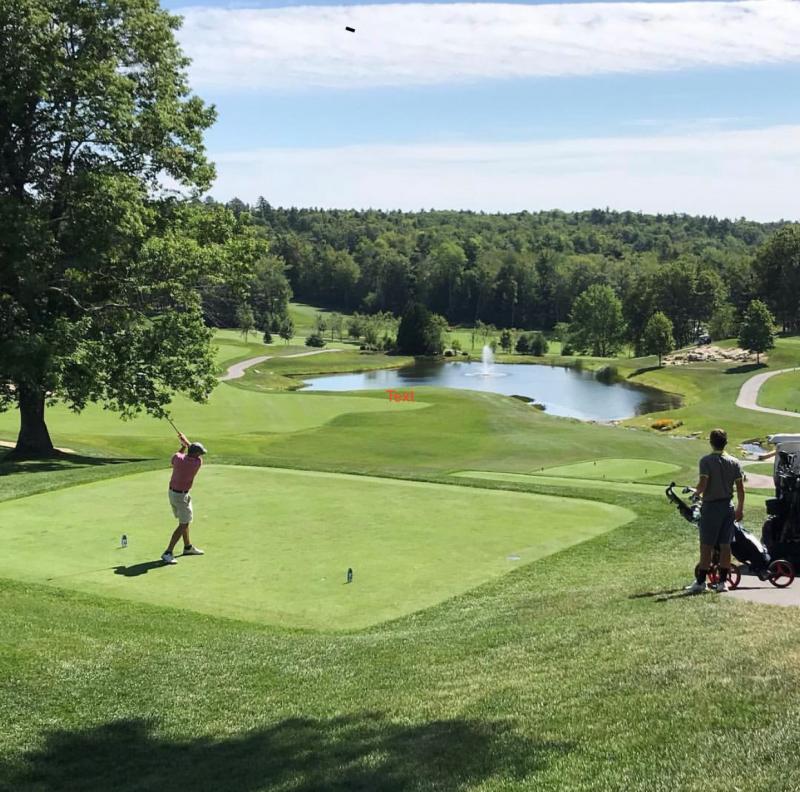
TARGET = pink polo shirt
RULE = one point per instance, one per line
(184, 469)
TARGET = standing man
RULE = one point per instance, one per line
(718, 473)
(184, 469)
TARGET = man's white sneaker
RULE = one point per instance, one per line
(192, 550)
(695, 588)
(720, 586)
(168, 558)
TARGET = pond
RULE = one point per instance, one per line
(566, 392)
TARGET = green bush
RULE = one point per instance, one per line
(315, 340)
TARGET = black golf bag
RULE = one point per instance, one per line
(745, 547)
(781, 531)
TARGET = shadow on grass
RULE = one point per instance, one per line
(364, 751)
(139, 569)
(745, 368)
(11, 464)
(664, 595)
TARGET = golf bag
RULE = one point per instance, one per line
(781, 530)
(745, 547)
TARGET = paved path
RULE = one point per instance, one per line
(237, 370)
(748, 393)
(754, 590)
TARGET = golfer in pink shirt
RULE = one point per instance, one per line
(185, 465)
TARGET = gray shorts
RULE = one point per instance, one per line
(716, 522)
(181, 506)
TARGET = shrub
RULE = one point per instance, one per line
(315, 340)
(665, 424)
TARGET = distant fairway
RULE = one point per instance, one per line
(229, 412)
(279, 542)
(613, 470)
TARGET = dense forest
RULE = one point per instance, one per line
(526, 270)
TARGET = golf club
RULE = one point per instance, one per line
(143, 375)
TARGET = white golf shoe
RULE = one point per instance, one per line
(192, 550)
(168, 558)
(695, 588)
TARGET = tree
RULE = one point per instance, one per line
(506, 341)
(723, 322)
(777, 267)
(286, 330)
(336, 325)
(523, 343)
(538, 345)
(420, 332)
(245, 320)
(97, 298)
(657, 338)
(320, 324)
(597, 322)
(756, 332)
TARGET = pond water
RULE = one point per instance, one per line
(565, 392)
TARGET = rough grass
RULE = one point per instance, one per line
(587, 670)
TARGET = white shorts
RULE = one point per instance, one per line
(181, 506)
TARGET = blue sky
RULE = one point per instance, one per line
(650, 106)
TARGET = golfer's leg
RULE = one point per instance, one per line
(186, 541)
(706, 552)
(724, 561)
(176, 534)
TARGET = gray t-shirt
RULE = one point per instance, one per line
(722, 471)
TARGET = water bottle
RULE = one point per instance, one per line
(350, 575)
(124, 541)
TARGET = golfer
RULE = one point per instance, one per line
(185, 465)
(718, 473)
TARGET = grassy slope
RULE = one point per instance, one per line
(584, 671)
(711, 389)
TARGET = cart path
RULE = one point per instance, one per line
(237, 370)
(748, 393)
(754, 590)
(757, 480)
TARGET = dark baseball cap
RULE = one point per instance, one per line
(197, 448)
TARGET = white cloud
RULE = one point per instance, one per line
(423, 44)
(752, 173)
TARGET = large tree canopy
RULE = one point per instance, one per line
(98, 265)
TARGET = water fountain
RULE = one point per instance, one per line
(487, 358)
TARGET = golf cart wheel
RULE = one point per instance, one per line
(734, 577)
(781, 573)
(713, 575)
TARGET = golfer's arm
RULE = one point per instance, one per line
(740, 493)
(701, 485)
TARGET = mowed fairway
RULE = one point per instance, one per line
(231, 413)
(279, 542)
(613, 469)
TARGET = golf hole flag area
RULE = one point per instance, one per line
(279, 542)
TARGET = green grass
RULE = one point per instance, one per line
(781, 392)
(279, 542)
(764, 468)
(614, 469)
(287, 373)
(231, 420)
(583, 670)
(710, 391)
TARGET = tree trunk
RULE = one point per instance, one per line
(34, 439)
